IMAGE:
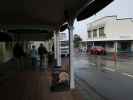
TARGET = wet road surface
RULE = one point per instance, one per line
(110, 80)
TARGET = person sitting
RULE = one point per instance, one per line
(60, 81)
(64, 79)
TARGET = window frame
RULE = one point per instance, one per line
(89, 34)
(95, 33)
(102, 32)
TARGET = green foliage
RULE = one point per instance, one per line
(77, 40)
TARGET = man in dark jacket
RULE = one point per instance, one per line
(42, 53)
(18, 54)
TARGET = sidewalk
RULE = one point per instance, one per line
(31, 85)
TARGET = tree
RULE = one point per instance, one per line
(77, 40)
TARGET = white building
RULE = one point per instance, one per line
(112, 33)
(63, 36)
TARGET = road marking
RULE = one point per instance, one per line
(113, 70)
(93, 64)
(109, 69)
(124, 61)
(83, 61)
(103, 64)
(127, 74)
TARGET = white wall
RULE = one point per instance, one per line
(115, 29)
(119, 30)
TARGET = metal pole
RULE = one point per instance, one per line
(72, 82)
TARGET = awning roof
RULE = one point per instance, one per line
(31, 34)
(47, 14)
(93, 8)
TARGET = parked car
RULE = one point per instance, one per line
(97, 50)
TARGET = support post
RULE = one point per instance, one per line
(58, 49)
(93, 44)
(115, 51)
(116, 46)
(72, 82)
(55, 46)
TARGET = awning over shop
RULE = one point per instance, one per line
(93, 8)
(31, 34)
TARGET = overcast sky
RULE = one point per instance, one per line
(121, 8)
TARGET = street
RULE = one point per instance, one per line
(108, 79)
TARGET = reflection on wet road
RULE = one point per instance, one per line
(109, 79)
(101, 63)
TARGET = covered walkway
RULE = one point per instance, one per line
(40, 20)
(27, 84)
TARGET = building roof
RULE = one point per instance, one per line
(113, 16)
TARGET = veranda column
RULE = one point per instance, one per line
(58, 49)
(72, 82)
(55, 46)
(116, 46)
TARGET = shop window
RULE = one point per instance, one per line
(89, 34)
(101, 32)
(95, 33)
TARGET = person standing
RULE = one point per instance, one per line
(34, 56)
(42, 54)
(18, 54)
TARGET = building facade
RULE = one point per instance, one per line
(116, 35)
